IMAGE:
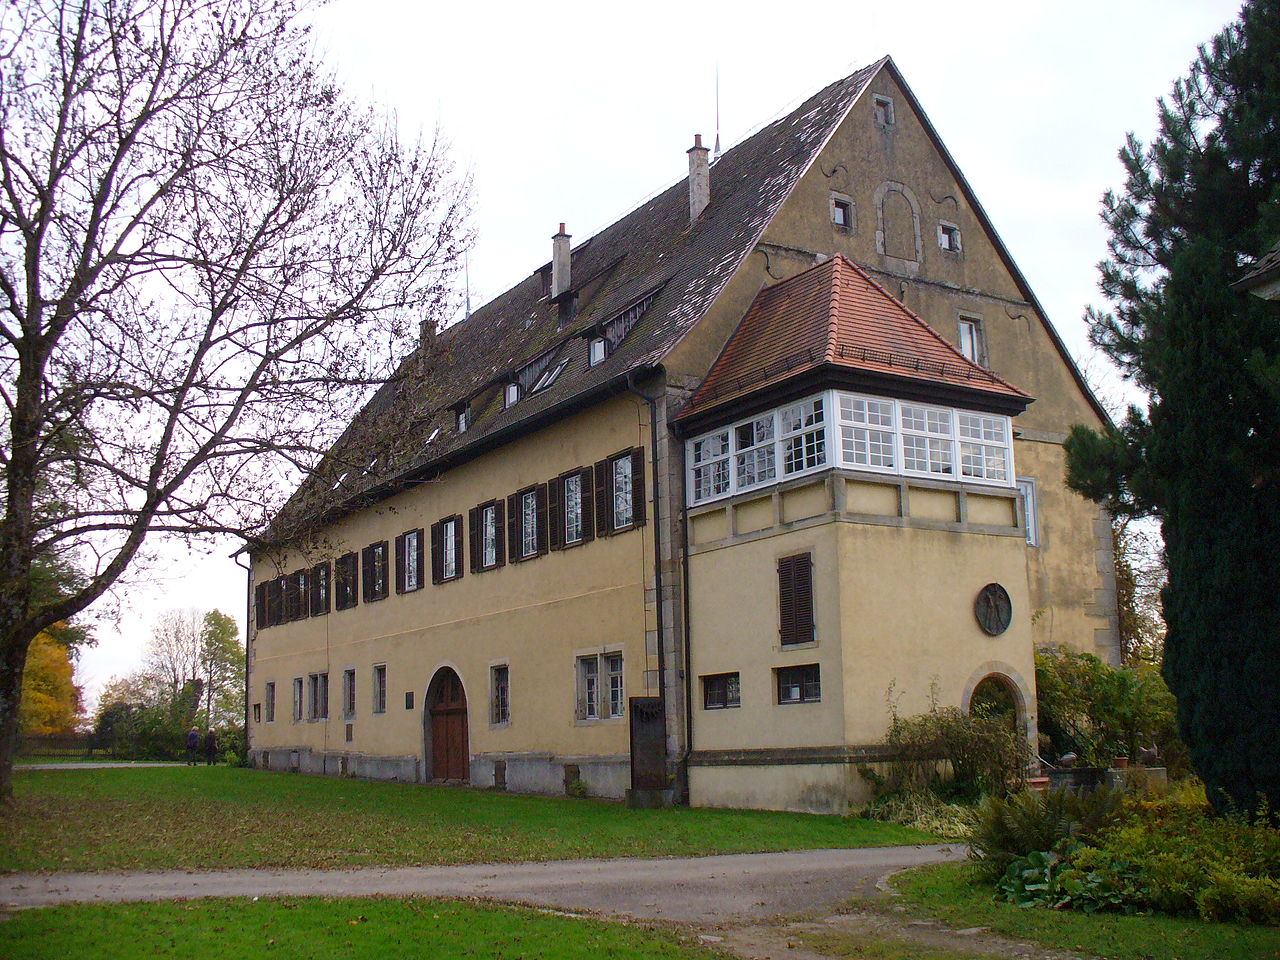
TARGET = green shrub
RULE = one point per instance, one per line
(986, 754)
(1031, 880)
(1007, 828)
(1233, 896)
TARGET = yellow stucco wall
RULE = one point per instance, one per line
(537, 616)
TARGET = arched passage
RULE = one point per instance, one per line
(996, 696)
(444, 720)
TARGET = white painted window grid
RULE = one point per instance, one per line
(1029, 496)
(871, 433)
(412, 560)
(573, 508)
(623, 508)
(464, 418)
(617, 693)
(529, 523)
(449, 540)
(318, 696)
(549, 376)
(589, 688)
(380, 688)
(489, 536)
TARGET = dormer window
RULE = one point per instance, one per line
(597, 350)
(618, 327)
(949, 237)
(883, 111)
(549, 376)
(510, 395)
(464, 418)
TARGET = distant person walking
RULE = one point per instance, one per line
(193, 746)
(210, 747)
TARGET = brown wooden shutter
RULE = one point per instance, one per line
(555, 513)
(475, 537)
(260, 604)
(457, 547)
(540, 516)
(437, 554)
(588, 513)
(400, 564)
(513, 527)
(638, 492)
(604, 498)
(499, 541)
(795, 599)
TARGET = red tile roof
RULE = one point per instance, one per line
(835, 315)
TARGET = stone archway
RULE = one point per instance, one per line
(445, 736)
(996, 696)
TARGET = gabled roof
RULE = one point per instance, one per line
(409, 425)
(835, 318)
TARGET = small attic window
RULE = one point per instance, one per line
(463, 418)
(549, 376)
(510, 395)
(842, 212)
(597, 351)
(949, 237)
(434, 433)
(883, 111)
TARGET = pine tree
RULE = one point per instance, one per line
(1200, 203)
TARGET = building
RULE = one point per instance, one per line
(694, 502)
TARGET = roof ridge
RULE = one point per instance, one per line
(833, 314)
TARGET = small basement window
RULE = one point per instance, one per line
(949, 237)
(883, 111)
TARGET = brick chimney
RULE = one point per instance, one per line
(699, 178)
(559, 263)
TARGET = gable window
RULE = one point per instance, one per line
(804, 439)
(842, 212)
(511, 395)
(446, 549)
(499, 694)
(380, 688)
(597, 351)
(795, 599)
(866, 432)
(802, 684)
(348, 694)
(271, 702)
(1030, 509)
(318, 696)
(409, 561)
(598, 701)
(319, 600)
(297, 699)
(882, 108)
(972, 343)
(527, 523)
(949, 237)
(374, 567)
(926, 440)
(344, 587)
(721, 691)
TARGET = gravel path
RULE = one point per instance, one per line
(700, 890)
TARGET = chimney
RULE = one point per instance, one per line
(559, 263)
(699, 179)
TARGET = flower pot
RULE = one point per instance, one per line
(1120, 763)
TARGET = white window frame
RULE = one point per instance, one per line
(573, 509)
(847, 209)
(1029, 494)
(448, 549)
(464, 417)
(529, 524)
(489, 536)
(970, 339)
(600, 684)
(318, 695)
(597, 351)
(379, 688)
(412, 555)
(510, 395)
(298, 700)
(622, 488)
(712, 458)
(549, 376)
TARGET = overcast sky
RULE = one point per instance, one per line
(577, 112)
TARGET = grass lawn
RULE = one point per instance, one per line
(945, 892)
(319, 929)
(212, 817)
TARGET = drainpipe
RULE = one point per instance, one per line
(248, 627)
(684, 585)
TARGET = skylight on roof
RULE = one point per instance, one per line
(550, 375)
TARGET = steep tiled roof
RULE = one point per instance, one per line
(1267, 268)
(835, 315)
(408, 428)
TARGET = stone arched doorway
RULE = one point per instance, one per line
(444, 720)
(995, 695)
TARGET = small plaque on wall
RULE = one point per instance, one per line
(994, 609)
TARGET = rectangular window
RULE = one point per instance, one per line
(883, 111)
(409, 561)
(755, 459)
(511, 395)
(597, 351)
(489, 538)
(949, 238)
(318, 696)
(463, 418)
(926, 440)
(344, 589)
(374, 566)
(983, 447)
(589, 688)
(296, 595)
(622, 493)
(619, 492)
(971, 344)
(275, 602)
(801, 684)
(721, 691)
(487, 544)
(297, 699)
(320, 589)
(866, 432)
(446, 549)
(710, 456)
(348, 694)
(499, 695)
(617, 691)
(257, 713)
(529, 523)
(804, 436)
(380, 688)
(597, 699)
(271, 703)
(573, 509)
(570, 519)
(842, 212)
(795, 599)
(1030, 509)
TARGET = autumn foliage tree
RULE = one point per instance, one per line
(51, 700)
(208, 256)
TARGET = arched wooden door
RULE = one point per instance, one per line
(447, 723)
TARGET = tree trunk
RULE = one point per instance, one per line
(12, 662)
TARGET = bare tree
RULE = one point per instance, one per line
(208, 254)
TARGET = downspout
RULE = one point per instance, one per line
(684, 586)
(248, 626)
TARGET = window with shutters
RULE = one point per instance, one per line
(295, 595)
(346, 572)
(271, 702)
(619, 492)
(623, 497)
(499, 694)
(795, 599)
(573, 509)
(348, 693)
(319, 584)
(260, 605)
(720, 691)
(570, 517)
(446, 549)
(527, 532)
(375, 568)
(297, 699)
(409, 561)
(275, 601)
(487, 537)
(801, 684)
(379, 688)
